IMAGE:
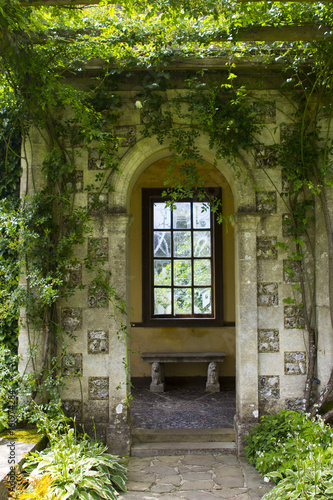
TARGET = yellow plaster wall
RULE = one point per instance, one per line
(180, 339)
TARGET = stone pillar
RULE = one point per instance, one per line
(118, 431)
(247, 404)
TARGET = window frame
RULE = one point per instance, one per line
(149, 197)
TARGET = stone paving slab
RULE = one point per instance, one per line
(193, 477)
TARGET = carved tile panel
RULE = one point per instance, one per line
(73, 364)
(127, 135)
(98, 388)
(95, 160)
(295, 363)
(98, 342)
(74, 274)
(98, 248)
(266, 248)
(264, 156)
(266, 202)
(266, 112)
(293, 317)
(268, 340)
(268, 294)
(291, 271)
(75, 181)
(269, 387)
(97, 297)
(71, 318)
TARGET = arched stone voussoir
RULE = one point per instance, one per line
(148, 150)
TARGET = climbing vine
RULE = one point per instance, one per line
(44, 49)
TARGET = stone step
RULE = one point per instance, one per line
(182, 435)
(181, 448)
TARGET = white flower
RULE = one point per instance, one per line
(266, 479)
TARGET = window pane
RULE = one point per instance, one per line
(162, 300)
(182, 244)
(182, 270)
(202, 301)
(202, 272)
(162, 272)
(162, 244)
(201, 243)
(201, 216)
(183, 301)
(182, 216)
(162, 216)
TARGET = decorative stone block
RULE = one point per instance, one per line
(285, 182)
(286, 225)
(293, 317)
(266, 202)
(266, 248)
(98, 342)
(127, 135)
(268, 340)
(286, 132)
(96, 160)
(98, 388)
(98, 248)
(291, 271)
(98, 202)
(294, 404)
(264, 156)
(71, 318)
(74, 274)
(73, 364)
(73, 408)
(268, 294)
(269, 387)
(295, 363)
(75, 181)
(97, 297)
(266, 112)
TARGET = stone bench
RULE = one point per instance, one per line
(159, 358)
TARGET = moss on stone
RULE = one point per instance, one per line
(22, 435)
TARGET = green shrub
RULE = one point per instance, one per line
(313, 478)
(279, 440)
(80, 468)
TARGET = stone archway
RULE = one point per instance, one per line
(143, 154)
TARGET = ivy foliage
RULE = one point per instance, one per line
(43, 51)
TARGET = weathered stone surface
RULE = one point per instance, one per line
(265, 157)
(98, 387)
(73, 408)
(98, 203)
(291, 271)
(74, 274)
(127, 135)
(266, 202)
(268, 294)
(73, 364)
(98, 248)
(293, 317)
(97, 297)
(266, 248)
(98, 342)
(268, 340)
(285, 182)
(75, 181)
(286, 225)
(269, 387)
(295, 363)
(265, 112)
(71, 318)
(96, 160)
(295, 404)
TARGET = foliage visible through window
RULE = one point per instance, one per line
(179, 249)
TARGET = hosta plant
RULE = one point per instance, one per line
(80, 469)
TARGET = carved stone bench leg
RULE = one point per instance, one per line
(213, 384)
(157, 377)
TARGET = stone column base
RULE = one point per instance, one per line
(241, 430)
